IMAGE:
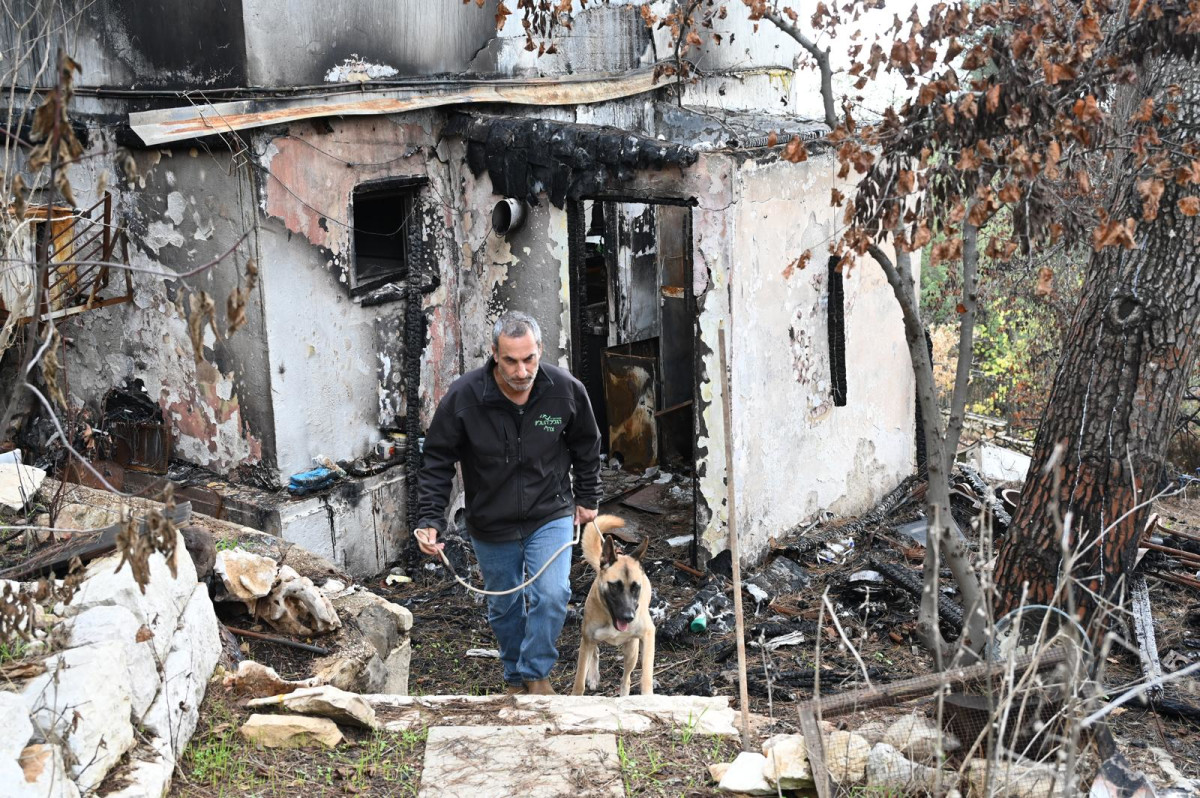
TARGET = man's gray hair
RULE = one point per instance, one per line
(514, 324)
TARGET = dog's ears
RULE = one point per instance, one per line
(641, 549)
(609, 555)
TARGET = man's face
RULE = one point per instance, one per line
(517, 360)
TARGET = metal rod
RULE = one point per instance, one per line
(1186, 556)
(283, 641)
(673, 408)
(743, 691)
(1176, 579)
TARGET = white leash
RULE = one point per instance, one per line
(523, 585)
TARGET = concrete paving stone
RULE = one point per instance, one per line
(505, 761)
(633, 714)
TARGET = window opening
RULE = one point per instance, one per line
(385, 224)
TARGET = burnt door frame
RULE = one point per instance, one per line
(581, 364)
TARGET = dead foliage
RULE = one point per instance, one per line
(137, 541)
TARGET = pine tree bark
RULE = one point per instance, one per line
(1125, 365)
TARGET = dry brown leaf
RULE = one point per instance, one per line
(1145, 111)
(1114, 233)
(1045, 283)
(795, 151)
(200, 315)
(993, 99)
(1189, 206)
(1150, 191)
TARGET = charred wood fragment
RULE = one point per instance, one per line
(949, 614)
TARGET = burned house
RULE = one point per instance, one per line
(397, 178)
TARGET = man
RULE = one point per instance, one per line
(518, 428)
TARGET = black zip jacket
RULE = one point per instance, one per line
(516, 460)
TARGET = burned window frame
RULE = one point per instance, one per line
(835, 314)
(410, 191)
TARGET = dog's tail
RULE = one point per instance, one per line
(593, 537)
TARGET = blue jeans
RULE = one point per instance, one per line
(527, 623)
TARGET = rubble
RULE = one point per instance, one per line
(295, 606)
(326, 701)
(290, 731)
(255, 680)
(846, 756)
(18, 484)
(889, 770)
(780, 577)
(246, 576)
(787, 762)
(916, 737)
(124, 659)
(745, 776)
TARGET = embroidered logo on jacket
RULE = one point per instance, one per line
(548, 422)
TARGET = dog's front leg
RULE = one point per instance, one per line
(587, 651)
(630, 651)
(648, 663)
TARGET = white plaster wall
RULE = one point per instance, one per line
(181, 211)
(327, 352)
(526, 270)
(323, 354)
(795, 453)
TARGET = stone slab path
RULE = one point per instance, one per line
(504, 746)
(505, 761)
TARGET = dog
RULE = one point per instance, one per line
(617, 609)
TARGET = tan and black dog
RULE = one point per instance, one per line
(617, 610)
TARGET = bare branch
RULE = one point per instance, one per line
(966, 338)
(820, 56)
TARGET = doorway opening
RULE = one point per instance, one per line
(634, 331)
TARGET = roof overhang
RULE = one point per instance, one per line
(207, 119)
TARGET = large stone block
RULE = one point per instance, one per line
(115, 624)
(84, 699)
(186, 671)
(104, 585)
(15, 730)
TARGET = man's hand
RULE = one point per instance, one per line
(427, 541)
(583, 515)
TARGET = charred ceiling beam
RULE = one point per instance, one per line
(525, 157)
(206, 119)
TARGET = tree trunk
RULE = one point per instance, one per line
(942, 541)
(1125, 365)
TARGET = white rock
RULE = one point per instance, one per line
(916, 737)
(112, 624)
(745, 776)
(846, 757)
(787, 762)
(146, 778)
(290, 731)
(15, 730)
(872, 731)
(1020, 779)
(325, 701)
(84, 698)
(247, 577)
(13, 778)
(18, 484)
(888, 769)
(158, 608)
(397, 666)
(296, 606)
(186, 671)
(43, 774)
(255, 680)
